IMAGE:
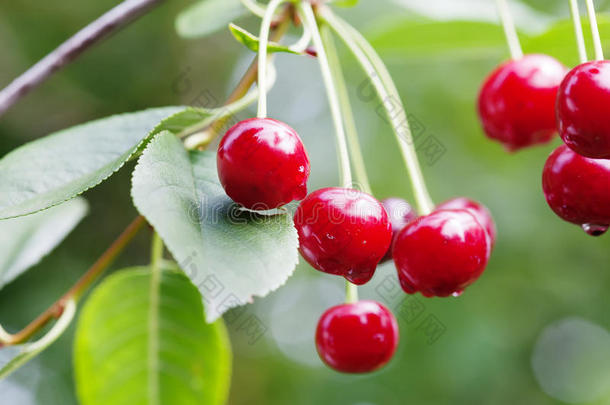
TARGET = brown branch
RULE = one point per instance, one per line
(113, 20)
(55, 310)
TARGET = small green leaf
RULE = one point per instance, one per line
(26, 240)
(13, 357)
(58, 167)
(143, 340)
(231, 254)
(208, 16)
(251, 41)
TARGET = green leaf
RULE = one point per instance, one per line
(13, 357)
(452, 39)
(559, 41)
(208, 16)
(143, 340)
(251, 41)
(26, 240)
(58, 167)
(231, 254)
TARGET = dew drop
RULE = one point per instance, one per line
(594, 229)
(457, 293)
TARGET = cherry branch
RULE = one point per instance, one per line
(108, 23)
(106, 259)
(56, 309)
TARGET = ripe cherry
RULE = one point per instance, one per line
(343, 231)
(578, 189)
(442, 253)
(400, 214)
(357, 338)
(583, 108)
(262, 164)
(480, 212)
(517, 101)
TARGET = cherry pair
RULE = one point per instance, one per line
(442, 253)
(348, 232)
(525, 101)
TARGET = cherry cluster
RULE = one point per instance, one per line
(527, 100)
(262, 164)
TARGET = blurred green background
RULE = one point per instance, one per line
(532, 330)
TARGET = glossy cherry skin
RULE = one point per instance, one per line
(357, 338)
(344, 232)
(262, 164)
(578, 189)
(517, 101)
(400, 213)
(442, 253)
(480, 212)
(583, 109)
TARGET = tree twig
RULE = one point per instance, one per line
(56, 309)
(108, 23)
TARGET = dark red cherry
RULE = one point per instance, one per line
(517, 101)
(578, 189)
(262, 164)
(343, 231)
(583, 109)
(480, 212)
(400, 213)
(442, 253)
(357, 338)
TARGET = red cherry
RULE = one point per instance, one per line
(517, 101)
(578, 189)
(442, 253)
(480, 212)
(583, 109)
(357, 338)
(343, 231)
(400, 213)
(262, 164)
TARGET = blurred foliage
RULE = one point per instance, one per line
(542, 269)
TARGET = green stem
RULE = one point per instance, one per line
(346, 110)
(331, 91)
(351, 292)
(597, 43)
(262, 56)
(509, 30)
(580, 39)
(387, 92)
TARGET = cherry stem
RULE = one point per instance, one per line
(346, 111)
(351, 292)
(74, 293)
(263, 41)
(597, 43)
(333, 99)
(580, 39)
(388, 94)
(509, 30)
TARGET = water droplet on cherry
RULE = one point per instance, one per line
(594, 229)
